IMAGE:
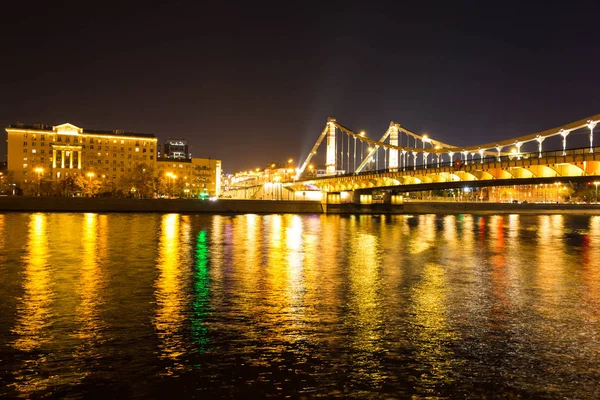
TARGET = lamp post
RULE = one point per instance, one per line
(596, 183)
(39, 171)
(90, 175)
(172, 178)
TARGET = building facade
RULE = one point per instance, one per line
(57, 152)
(53, 153)
(195, 177)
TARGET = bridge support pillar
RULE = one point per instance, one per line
(330, 165)
(334, 198)
(397, 199)
(360, 197)
(393, 158)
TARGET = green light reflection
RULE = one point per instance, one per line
(200, 304)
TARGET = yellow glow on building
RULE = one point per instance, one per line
(192, 177)
(67, 151)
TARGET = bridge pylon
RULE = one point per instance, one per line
(330, 164)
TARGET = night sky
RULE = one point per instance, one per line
(252, 83)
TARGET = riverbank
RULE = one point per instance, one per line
(235, 206)
(191, 206)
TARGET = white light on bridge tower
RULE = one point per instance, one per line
(331, 161)
(393, 158)
(591, 125)
(540, 140)
(564, 134)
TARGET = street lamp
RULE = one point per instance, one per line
(596, 183)
(172, 177)
(90, 175)
(39, 171)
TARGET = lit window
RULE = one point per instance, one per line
(33, 151)
(24, 165)
(122, 141)
(137, 150)
(114, 140)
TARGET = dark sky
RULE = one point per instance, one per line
(251, 82)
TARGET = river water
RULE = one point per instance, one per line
(157, 306)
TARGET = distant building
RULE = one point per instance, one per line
(177, 149)
(194, 177)
(52, 153)
(57, 152)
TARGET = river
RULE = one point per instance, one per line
(301, 306)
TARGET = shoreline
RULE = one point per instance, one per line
(236, 206)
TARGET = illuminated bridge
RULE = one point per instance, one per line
(403, 161)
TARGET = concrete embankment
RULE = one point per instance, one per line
(433, 207)
(104, 204)
(232, 206)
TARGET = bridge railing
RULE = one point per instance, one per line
(488, 159)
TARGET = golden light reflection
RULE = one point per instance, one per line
(296, 284)
(468, 236)
(550, 259)
(247, 239)
(1, 234)
(276, 265)
(498, 266)
(217, 244)
(425, 237)
(169, 293)
(591, 270)
(450, 236)
(365, 302)
(430, 334)
(34, 310)
(90, 284)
